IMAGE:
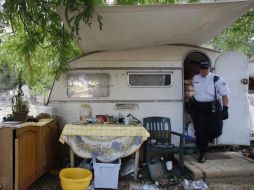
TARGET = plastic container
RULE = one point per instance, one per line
(75, 178)
(85, 112)
(106, 174)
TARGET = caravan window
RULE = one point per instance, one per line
(88, 85)
(149, 79)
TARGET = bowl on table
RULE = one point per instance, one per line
(102, 118)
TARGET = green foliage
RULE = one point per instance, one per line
(38, 43)
(39, 65)
(8, 77)
(18, 105)
(41, 27)
(83, 11)
(240, 36)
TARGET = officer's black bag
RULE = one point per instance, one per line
(215, 105)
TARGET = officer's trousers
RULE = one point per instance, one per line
(207, 125)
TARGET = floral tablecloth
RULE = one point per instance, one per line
(104, 141)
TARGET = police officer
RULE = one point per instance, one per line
(207, 113)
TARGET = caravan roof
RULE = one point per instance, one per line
(127, 27)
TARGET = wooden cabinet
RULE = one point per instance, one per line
(26, 156)
(32, 152)
(49, 136)
(6, 158)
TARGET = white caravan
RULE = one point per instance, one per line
(137, 64)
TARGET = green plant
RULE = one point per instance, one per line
(18, 104)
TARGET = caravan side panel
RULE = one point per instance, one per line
(142, 101)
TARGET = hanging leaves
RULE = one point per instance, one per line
(240, 36)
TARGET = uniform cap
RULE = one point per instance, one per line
(205, 64)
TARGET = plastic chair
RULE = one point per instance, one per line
(160, 139)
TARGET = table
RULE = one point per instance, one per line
(104, 141)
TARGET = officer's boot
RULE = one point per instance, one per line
(202, 157)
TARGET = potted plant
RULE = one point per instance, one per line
(19, 106)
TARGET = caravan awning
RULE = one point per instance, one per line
(127, 27)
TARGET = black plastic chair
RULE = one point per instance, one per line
(160, 139)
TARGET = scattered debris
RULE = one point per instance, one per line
(168, 181)
(145, 186)
(194, 185)
(249, 152)
(127, 167)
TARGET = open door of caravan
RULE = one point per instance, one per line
(233, 67)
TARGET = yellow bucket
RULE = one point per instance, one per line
(75, 178)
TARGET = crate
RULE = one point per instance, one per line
(106, 174)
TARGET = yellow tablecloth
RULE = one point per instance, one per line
(106, 130)
(105, 142)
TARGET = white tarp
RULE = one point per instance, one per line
(127, 27)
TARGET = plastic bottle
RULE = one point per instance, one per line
(146, 186)
(84, 112)
(150, 187)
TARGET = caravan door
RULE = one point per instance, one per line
(233, 68)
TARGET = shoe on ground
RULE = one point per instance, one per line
(202, 158)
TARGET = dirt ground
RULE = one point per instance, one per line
(221, 186)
